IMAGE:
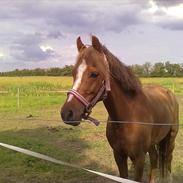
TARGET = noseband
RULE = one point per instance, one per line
(102, 94)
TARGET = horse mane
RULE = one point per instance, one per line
(123, 74)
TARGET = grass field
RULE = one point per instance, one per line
(36, 125)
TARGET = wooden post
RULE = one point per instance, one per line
(173, 88)
(18, 98)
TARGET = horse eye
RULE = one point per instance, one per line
(93, 74)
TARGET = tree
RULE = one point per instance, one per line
(158, 70)
(147, 69)
(138, 69)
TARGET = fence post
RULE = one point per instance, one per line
(173, 88)
(18, 98)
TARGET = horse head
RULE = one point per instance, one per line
(90, 82)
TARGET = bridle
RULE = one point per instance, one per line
(101, 95)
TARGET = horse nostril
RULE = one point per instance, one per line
(69, 115)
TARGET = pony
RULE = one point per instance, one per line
(149, 113)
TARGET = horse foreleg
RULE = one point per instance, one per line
(138, 162)
(121, 161)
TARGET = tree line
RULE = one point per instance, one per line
(56, 71)
(160, 69)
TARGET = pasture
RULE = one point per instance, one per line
(34, 123)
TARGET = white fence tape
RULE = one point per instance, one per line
(53, 160)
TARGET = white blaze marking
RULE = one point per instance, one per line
(81, 69)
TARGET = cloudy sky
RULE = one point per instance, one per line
(43, 33)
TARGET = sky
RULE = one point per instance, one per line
(43, 33)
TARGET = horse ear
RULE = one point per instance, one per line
(79, 43)
(96, 43)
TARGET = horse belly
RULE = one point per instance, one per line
(121, 140)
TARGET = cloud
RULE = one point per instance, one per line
(173, 25)
(55, 34)
(27, 48)
(167, 3)
(165, 14)
(29, 26)
(90, 18)
(32, 24)
(74, 17)
(56, 19)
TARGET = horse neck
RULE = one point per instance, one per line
(118, 104)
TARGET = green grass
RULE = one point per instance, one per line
(85, 145)
(174, 84)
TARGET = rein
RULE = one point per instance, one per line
(102, 93)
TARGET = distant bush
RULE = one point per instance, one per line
(65, 71)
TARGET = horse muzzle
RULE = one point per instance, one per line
(70, 115)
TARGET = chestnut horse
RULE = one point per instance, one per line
(99, 75)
